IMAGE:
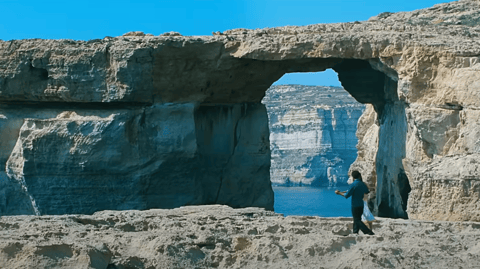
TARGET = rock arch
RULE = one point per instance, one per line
(143, 121)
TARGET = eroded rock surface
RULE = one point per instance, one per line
(186, 112)
(222, 237)
(159, 156)
(312, 134)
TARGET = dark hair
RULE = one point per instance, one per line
(357, 175)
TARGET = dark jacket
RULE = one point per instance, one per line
(357, 190)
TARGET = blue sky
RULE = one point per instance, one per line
(87, 19)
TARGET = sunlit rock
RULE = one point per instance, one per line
(217, 236)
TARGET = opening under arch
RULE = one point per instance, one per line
(370, 82)
(312, 142)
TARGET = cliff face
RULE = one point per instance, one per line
(85, 160)
(312, 134)
(143, 121)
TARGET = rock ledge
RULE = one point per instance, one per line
(221, 237)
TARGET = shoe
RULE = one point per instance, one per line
(370, 233)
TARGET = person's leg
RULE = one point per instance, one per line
(357, 221)
(364, 228)
(357, 218)
(368, 224)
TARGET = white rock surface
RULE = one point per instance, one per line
(312, 134)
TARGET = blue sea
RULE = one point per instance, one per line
(311, 201)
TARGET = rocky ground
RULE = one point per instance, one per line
(221, 237)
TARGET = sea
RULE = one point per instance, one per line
(311, 201)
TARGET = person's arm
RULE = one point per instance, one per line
(349, 192)
(342, 193)
(367, 190)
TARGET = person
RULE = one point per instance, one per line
(367, 216)
(357, 190)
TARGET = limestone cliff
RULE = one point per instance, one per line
(157, 156)
(312, 134)
(163, 121)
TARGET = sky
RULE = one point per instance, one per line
(88, 19)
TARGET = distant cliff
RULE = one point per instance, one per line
(312, 134)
